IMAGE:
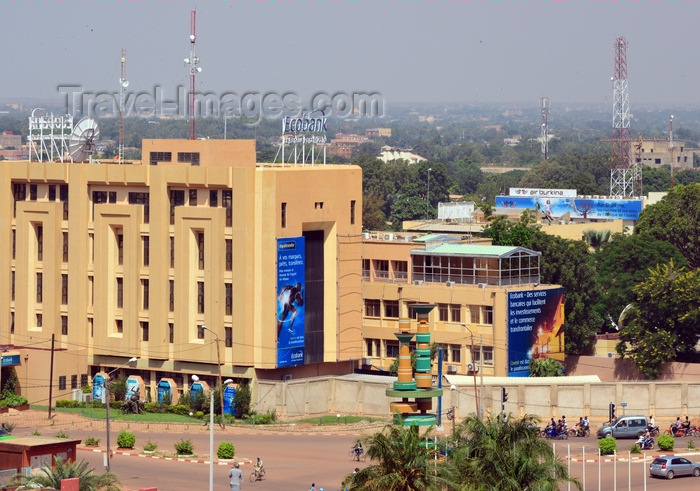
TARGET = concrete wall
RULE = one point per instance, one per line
(329, 395)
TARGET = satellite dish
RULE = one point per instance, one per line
(83, 140)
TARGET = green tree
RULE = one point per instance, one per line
(596, 238)
(50, 477)
(504, 231)
(373, 216)
(507, 456)
(242, 400)
(665, 320)
(117, 388)
(546, 367)
(675, 219)
(401, 462)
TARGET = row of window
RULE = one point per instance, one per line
(73, 381)
(19, 193)
(389, 348)
(185, 157)
(318, 205)
(389, 309)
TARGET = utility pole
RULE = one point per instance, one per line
(53, 341)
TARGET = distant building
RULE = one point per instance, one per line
(9, 139)
(392, 153)
(378, 133)
(656, 153)
(345, 144)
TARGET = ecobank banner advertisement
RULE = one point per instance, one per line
(291, 260)
(535, 328)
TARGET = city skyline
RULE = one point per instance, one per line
(481, 52)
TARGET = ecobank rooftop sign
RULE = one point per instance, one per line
(297, 130)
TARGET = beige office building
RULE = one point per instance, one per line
(104, 262)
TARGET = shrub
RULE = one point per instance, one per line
(184, 447)
(200, 414)
(69, 403)
(87, 389)
(180, 409)
(691, 445)
(262, 419)
(607, 445)
(154, 407)
(91, 442)
(126, 439)
(36, 433)
(10, 399)
(61, 434)
(150, 446)
(666, 442)
(634, 448)
(226, 450)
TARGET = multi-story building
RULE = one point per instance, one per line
(108, 261)
(657, 153)
(489, 302)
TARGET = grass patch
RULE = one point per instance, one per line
(330, 419)
(117, 415)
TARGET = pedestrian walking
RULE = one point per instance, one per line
(236, 477)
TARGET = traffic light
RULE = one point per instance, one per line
(504, 394)
(611, 412)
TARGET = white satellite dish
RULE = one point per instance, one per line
(83, 140)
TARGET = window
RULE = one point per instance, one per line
(12, 322)
(200, 250)
(200, 297)
(227, 202)
(146, 250)
(91, 323)
(474, 314)
(142, 199)
(177, 198)
(62, 382)
(39, 287)
(91, 291)
(391, 308)
(64, 289)
(63, 196)
(19, 191)
(65, 247)
(52, 192)
(352, 212)
(73, 382)
(229, 255)
(193, 197)
(318, 205)
(156, 157)
(456, 312)
(172, 296)
(172, 252)
(200, 332)
(39, 229)
(120, 293)
(39, 320)
(64, 325)
(488, 314)
(372, 307)
(456, 354)
(13, 286)
(120, 326)
(229, 336)
(400, 269)
(488, 355)
(112, 197)
(171, 332)
(369, 345)
(283, 216)
(392, 349)
(32, 192)
(14, 243)
(381, 269)
(144, 331)
(145, 290)
(213, 198)
(229, 298)
(442, 311)
(83, 379)
(365, 268)
(191, 157)
(120, 248)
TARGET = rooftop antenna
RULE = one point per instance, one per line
(670, 147)
(123, 84)
(83, 140)
(622, 172)
(192, 62)
(544, 108)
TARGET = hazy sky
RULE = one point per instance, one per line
(421, 50)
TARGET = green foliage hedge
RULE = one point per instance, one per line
(666, 442)
(184, 447)
(226, 450)
(91, 441)
(10, 399)
(126, 439)
(607, 445)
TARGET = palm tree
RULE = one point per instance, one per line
(498, 455)
(403, 463)
(50, 477)
(596, 238)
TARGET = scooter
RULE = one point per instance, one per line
(645, 443)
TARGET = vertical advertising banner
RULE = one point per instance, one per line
(291, 259)
(535, 328)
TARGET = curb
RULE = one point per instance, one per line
(242, 461)
(649, 458)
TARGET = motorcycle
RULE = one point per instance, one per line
(653, 430)
(551, 432)
(645, 443)
(578, 430)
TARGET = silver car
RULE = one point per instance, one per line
(671, 466)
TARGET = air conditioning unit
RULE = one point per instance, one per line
(287, 377)
(482, 285)
(366, 235)
(473, 367)
(451, 368)
(367, 361)
(391, 280)
(450, 283)
(418, 282)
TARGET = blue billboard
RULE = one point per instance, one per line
(291, 261)
(535, 328)
(98, 387)
(229, 396)
(579, 207)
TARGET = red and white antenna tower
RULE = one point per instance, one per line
(123, 84)
(192, 62)
(544, 107)
(623, 172)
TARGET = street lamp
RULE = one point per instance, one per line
(221, 388)
(476, 393)
(427, 205)
(106, 387)
(453, 390)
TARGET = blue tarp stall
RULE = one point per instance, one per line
(229, 395)
(98, 387)
(167, 388)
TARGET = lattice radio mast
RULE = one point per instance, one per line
(192, 62)
(544, 107)
(123, 84)
(623, 172)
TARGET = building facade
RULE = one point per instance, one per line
(106, 262)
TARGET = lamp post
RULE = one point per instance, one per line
(427, 204)
(453, 390)
(106, 387)
(211, 432)
(476, 392)
(221, 388)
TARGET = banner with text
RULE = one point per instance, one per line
(291, 261)
(535, 328)
(581, 207)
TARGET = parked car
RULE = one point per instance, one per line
(672, 466)
(624, 427)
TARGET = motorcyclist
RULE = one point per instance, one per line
(358, 449)
(258, 466)
(676, 427)
(686, 424)
(651, 425)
